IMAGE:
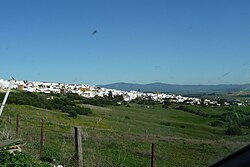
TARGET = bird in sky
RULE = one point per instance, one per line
(224, 75)
(94, 32)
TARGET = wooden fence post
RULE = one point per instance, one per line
(42, 139)
(17, 125)
(78, 147)
(153, 155)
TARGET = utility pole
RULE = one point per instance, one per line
(5, 98)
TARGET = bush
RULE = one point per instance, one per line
(146, 101)
(246, 122)
(165, 106)
(50, 152)
(186, 109)
(165, 123)
(19, 159)
(127, 117)
(72, 114)
(233, 129)
(83, 111)
(216, 123)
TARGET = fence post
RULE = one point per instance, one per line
(78, 147)
(17, 125)
(153, 155)
(42, 139)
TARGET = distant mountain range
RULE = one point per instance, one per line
(172, 88)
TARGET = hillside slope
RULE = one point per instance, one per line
(172, 88)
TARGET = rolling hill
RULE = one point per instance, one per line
(173, 88)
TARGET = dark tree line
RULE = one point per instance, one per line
(64, 103)
(144, 101)
(68, 103)
(98, 101)
(196, 112)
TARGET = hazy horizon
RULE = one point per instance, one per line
(53, 81)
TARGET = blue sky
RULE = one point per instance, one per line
(138, 41)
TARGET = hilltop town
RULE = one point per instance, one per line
(90, 91)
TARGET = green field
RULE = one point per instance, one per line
(122, 135)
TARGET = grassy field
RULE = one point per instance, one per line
(122, 135)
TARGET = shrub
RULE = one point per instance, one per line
(127, 117)
(216, 123)
(50, 152)
(186, 109)
(165, 106)
(72, 114)
(165, 123)
(233, 129)
(246, 122)
(19, 159)
(83, 111)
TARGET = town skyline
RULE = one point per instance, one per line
(91, 91)
(146, 88)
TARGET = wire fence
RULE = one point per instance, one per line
(58, 143)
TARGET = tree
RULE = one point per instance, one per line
(72, 114)
(110, 95)
(234, 125)
(233, 129)
(222, 101)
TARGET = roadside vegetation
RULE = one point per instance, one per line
(20, 160)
